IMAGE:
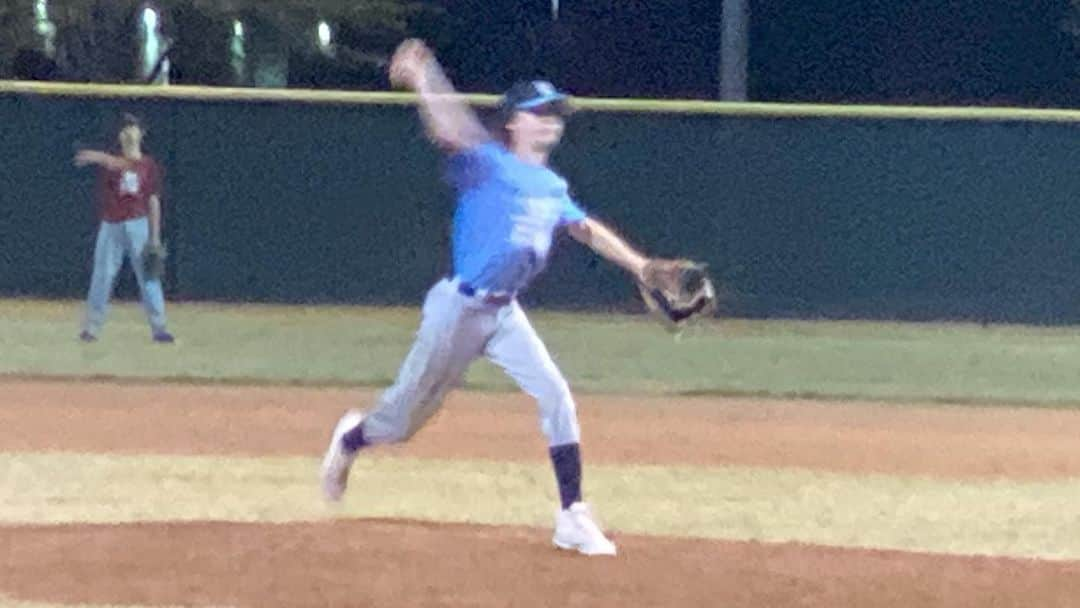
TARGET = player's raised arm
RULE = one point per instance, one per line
(447, 116)
(101, 159)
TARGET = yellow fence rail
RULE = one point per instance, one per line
(746, 109)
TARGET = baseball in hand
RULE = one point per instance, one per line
(408, 63)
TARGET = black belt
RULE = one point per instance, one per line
(495, 300)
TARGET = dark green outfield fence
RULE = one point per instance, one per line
(802, 213)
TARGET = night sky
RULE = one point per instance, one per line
(971, 52)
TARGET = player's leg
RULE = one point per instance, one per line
(108, 257)
(137, 234)
(518, 350)
(451, 336)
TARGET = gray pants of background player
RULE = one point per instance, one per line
(115, 240)
(455, 330)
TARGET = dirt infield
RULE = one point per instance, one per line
(406, 563)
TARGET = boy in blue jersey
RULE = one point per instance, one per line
(509, 205)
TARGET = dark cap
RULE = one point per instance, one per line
(526, 95)
(127, 119)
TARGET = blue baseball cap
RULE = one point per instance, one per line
(532, 94)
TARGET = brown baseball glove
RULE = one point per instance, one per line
(677, 290)
(153, 261)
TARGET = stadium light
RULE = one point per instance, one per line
(237, 56)
(44, 26)
(150, 19)
(153, 63)
(325, 35)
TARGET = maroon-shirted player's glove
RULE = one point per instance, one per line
(153, 261)
(676, 290)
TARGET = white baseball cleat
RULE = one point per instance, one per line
(576, 530)
(337, 461)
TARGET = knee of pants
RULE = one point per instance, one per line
(559, 414)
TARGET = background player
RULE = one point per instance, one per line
(509, 203)
(129, 207)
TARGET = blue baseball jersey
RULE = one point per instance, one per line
(506, 217)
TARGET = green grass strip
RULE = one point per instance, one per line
(598, 353)
(1003, 518)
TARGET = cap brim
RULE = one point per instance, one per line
(539, 101)
(562, 105)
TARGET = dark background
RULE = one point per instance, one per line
(962, 52)
(955, 52)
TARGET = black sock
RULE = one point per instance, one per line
(567, 461)
(354, 439)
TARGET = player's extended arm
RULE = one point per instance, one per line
(675, 289)
(448, 118)
(102, 159)
(609, 245)
(155, 220)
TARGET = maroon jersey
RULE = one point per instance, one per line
(125, 194)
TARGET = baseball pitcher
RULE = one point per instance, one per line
(510, 203)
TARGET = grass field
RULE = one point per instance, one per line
(184, 475)
(598, 353)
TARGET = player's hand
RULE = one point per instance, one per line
(87, 157)
(410, 63)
